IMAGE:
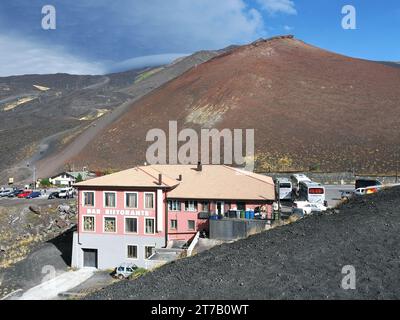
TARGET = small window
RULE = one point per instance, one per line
(191, 206)
(148, 251)
(131, 225)
(132, 252)
(149, 200)
(109, 199)
(131, 200)
(88, 224)
(205, 206)
(174, 224)
(174, 205)
(191, 224)
(110, 224)
(88, 199)
(149, 226)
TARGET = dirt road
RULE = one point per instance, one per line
(49, 165)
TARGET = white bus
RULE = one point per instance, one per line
(283, 188)
(312, 192)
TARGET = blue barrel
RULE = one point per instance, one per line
(251, 214)
(247, 214)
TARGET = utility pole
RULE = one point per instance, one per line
(279, 200)
(397, 165)
(34, 174)
(34, 177)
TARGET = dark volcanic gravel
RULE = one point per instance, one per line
(303, 260)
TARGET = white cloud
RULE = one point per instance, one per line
(18, 56)
(277, 6)
(197, 24)
(288, 28)
(148, 61)
(147, 31)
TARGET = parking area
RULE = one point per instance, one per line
(332, 194)
(41, 197)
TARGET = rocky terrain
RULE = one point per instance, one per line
(26, 234)
(311, 110)
(302, 260)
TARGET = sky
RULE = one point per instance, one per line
(103, 36)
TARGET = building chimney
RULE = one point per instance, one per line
(199, 166)
(160, 179)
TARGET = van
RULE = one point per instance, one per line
(365, 183)
(283, 188)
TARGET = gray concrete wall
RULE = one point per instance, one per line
(112, 249)
(233, 229)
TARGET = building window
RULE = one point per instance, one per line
(241, 206)
(131, 225)
(88, 199)
(191, 206)
(148, 251)
(149, 226)
(131, 200)
(148, 200)
(132, 252)
(109, 199)
(191, 224)
(110, 224)
(174, 205)
(174, 224)
(205, 206)
(88, 223)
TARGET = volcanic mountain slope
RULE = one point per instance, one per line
(302, 260)
(310, 108)
(41, 114)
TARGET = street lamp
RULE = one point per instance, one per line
(34, 174)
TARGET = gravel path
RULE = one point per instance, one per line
(303, 260)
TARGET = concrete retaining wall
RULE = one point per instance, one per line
(233, 229)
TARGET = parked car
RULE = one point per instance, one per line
(34, 194)
(66, 193)
(308, 207)
(125, 270)
(6, 192)
(24, 194)
(368, 190)
(54, 195)
(365, 183)
(15, 193)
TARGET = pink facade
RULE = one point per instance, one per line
(182, 224)
(120, 212)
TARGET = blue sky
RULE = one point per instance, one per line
(99, 36)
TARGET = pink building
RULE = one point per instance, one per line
(124, 217)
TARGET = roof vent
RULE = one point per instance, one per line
(180, 178)
(199, 166)
(160, 179)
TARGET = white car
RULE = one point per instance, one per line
(308, 207)
(66, 193)
(6, 192)
(368, 190)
